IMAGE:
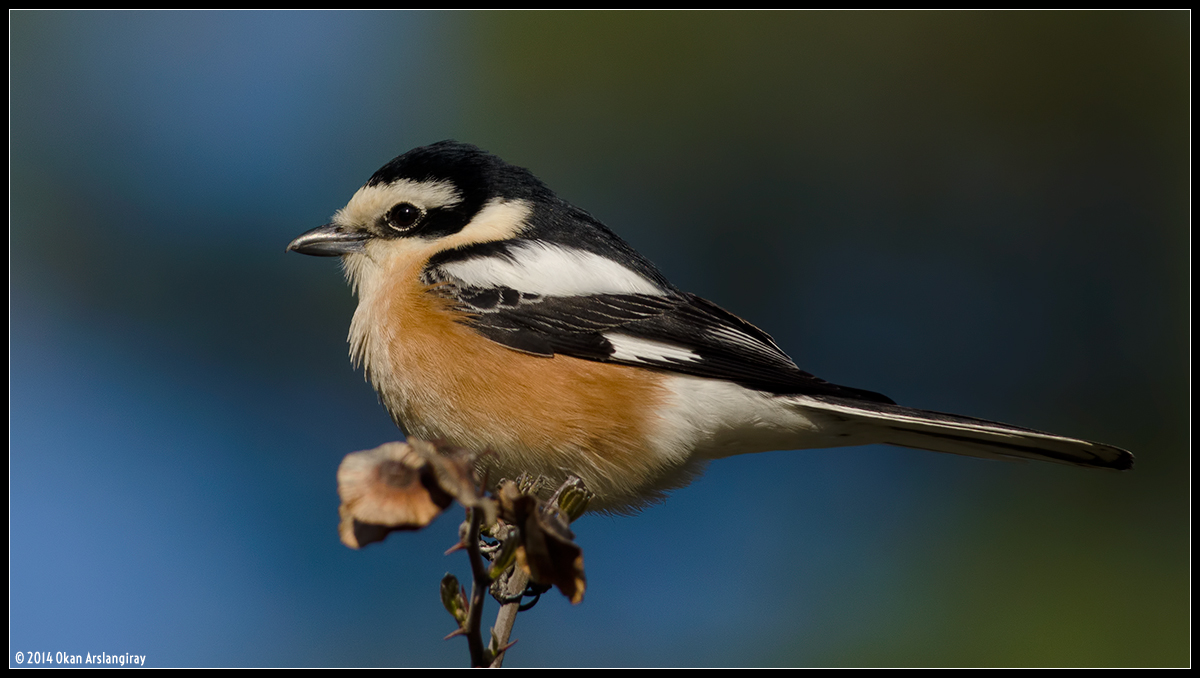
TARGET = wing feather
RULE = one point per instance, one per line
(677, 332)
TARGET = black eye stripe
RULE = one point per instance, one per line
(403, 216)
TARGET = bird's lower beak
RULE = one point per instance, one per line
(328, 241)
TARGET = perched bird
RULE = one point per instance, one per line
(496, 316)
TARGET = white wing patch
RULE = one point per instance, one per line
(551, 270)
(634, 349)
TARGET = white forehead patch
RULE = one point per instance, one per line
(370, 202)
(551, 270)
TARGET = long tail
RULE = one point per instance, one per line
(909, 427)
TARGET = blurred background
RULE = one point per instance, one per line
(982, 213)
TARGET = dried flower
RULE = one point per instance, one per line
(547, 550)
(385, 489)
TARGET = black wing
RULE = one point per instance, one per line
(676, 331)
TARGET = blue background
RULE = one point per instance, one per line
(984, 213)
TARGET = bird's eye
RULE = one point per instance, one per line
(404, 216)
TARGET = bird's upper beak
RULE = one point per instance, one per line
(328, 241)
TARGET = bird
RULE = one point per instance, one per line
(495, 316)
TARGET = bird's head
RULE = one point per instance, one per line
(430, 194)
(449, 199)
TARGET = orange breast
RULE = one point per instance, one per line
(547, 416)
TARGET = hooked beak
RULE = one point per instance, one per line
(328, 241)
